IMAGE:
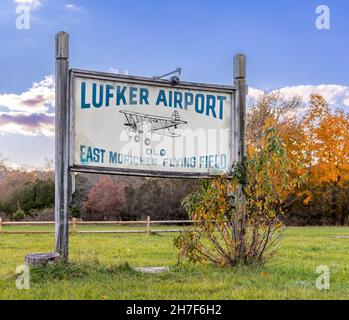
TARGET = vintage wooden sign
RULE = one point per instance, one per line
(114, 124)
(142, 126)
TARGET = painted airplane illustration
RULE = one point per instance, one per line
(139, 124)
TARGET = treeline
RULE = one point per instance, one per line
(316, 138)
(129, 198)
(26, 195)
(30, 196)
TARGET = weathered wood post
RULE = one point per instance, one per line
(240, 132)
(241, 93)
(148, 225)
(62, 145)
(0, 224)
(74, 225)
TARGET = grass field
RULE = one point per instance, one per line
(101, 268)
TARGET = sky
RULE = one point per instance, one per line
(284, 48)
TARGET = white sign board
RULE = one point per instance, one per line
(141, 126)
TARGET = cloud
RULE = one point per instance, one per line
(254, 93)
(336, 95)
(113, 70)
(39, 98)
(73, 7)
(33, 4)
(27, 124)
(30, 112)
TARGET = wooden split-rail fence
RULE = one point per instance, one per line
(74, 223)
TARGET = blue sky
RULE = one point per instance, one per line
(151, 37)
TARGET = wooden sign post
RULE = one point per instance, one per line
(114, 133)
(62, 193)
(240, 104)
(240, 132)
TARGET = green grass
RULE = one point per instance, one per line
(101, 268)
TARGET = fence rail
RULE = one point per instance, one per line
(74, 223)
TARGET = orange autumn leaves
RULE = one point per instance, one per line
(316, 139)
(327, 143)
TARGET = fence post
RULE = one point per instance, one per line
(74, 225)
(148, 225)
(0, 224)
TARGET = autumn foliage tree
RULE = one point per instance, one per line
(105, 199)
(317, 143)
(273, 110)
(326, 150)
(230, 232)
(297, 171)
(327, 143)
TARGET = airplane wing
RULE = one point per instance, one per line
(161, 124)
(133, 119)
(156, 123)
(170, 132)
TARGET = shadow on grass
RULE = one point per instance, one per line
(73, 270)
(94, 269)
(83, 270)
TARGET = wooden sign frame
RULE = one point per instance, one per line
(64, 120)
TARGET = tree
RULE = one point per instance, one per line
(158, 198)
(223, 234)
(39, 194)
(80, 195)
(286, 116)
(316, 138)
(105, 199)
(11, 188)
(3, 167)
(327, 148)
(328, 142)
(49, 165)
